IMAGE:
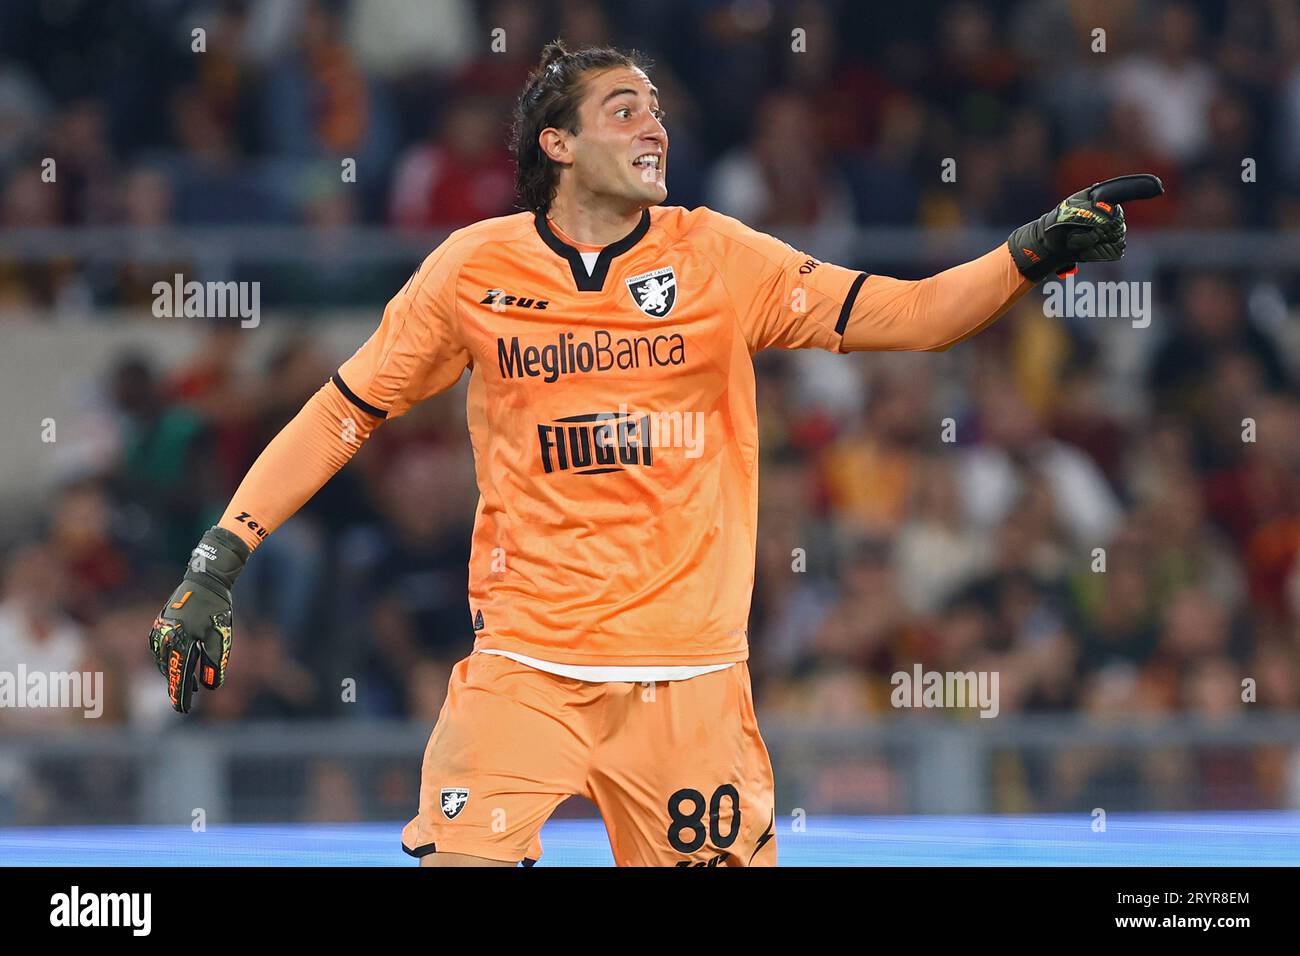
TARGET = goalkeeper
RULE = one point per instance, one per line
(627, 562)
(192, 635)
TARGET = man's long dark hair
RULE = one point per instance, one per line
(550, 98)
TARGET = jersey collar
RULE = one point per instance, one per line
(596, 281)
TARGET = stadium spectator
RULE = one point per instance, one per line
(1169, 448)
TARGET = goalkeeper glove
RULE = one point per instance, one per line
(190, 638)
(1087, 227)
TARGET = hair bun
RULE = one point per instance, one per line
(552, 54)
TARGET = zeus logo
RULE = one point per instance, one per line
(245, 518)
(595, 444)
(498, 299)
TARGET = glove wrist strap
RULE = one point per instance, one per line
(219, 557)
(1029, 248)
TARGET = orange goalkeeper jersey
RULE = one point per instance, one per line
(612, 413)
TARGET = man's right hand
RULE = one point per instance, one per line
(191, 636)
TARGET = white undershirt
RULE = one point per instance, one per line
(616, 674)
(589, 260)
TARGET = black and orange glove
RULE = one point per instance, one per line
(1087, 227)
(191, 636)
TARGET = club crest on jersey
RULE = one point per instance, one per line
(654, 292)
(453, 801)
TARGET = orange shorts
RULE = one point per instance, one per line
(677, 770)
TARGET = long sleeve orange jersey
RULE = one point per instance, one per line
(612, 416)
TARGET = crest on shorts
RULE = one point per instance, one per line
(453, 801)
(654, 292)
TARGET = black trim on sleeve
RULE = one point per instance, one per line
(848, 303)
(352, 397)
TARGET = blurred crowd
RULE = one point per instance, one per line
(1119, 558)
(850, 126)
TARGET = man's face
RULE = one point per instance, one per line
(622, 149)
